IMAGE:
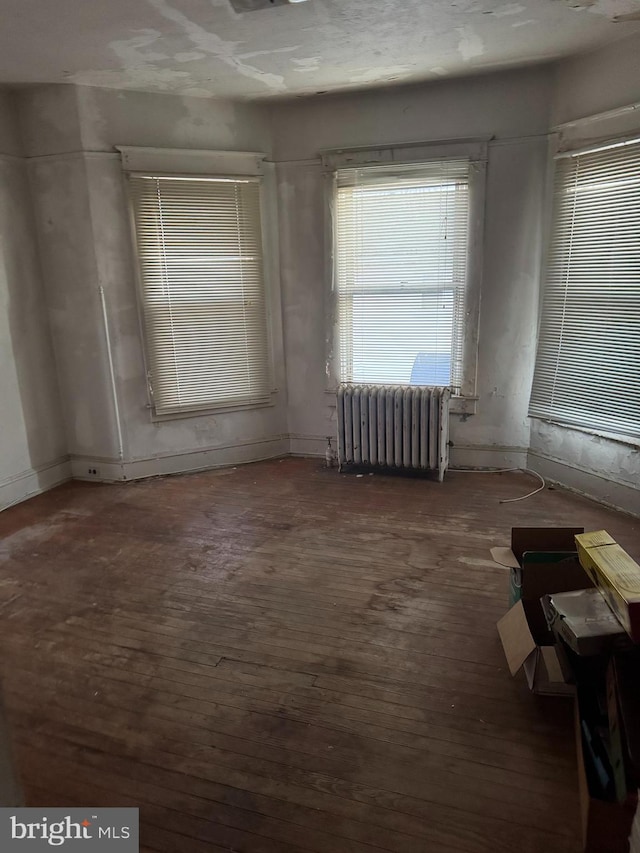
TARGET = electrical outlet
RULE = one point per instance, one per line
(93, 472)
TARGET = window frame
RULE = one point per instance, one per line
(203, 164)
(476, 152)
(567, 140)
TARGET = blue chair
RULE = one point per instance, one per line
(431, 368)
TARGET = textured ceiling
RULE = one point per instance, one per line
(204, 47)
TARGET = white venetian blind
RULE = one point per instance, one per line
(588, 363)
(402, 235)
(200, 251)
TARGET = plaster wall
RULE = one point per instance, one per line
(587, 86)
(597, 81)
(68, 134)
(513, 110)
(83, 222)
(10, 144)
(32, 443)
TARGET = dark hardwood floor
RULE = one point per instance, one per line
(280, 658)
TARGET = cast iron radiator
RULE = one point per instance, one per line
(402, 427)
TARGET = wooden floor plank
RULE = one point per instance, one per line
(262, 681)
(283, 658)
(435, 831)
(480, 761)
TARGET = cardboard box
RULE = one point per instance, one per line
(615, 574)
(540, 663)
(535, 539)
(584, 621)
(541, 560)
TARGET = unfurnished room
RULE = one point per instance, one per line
(320, 426)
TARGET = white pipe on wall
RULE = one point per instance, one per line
(112, 375)
(604, 116)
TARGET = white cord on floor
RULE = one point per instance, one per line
(505, 471)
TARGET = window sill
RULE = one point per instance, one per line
(263, 403)
(627, 440)
(457, 406)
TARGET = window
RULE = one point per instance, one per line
(588, 363)
(402, 240)
(199, 245)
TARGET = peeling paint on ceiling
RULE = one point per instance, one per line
(204, 48)
(470, 44)
(509, 9)
(219, 48)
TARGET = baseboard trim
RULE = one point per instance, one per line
(34, 481)
(222, 456)
(487, 456)
(108, 470)
(609, 493)
(462, 455)
(309, 445)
